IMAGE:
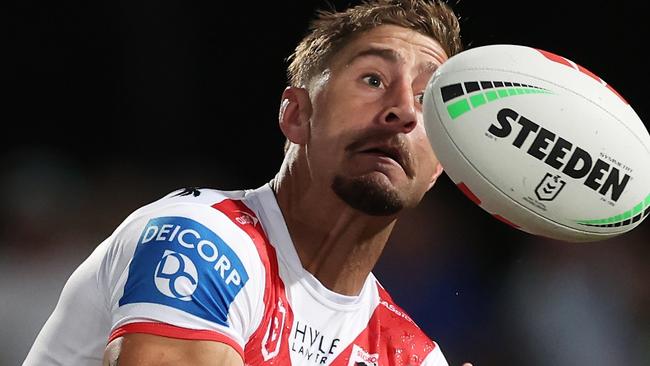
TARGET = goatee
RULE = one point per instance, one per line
(368, 195)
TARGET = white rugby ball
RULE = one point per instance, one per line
(540, 142)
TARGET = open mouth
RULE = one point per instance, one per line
(387, 149)
(387, 152)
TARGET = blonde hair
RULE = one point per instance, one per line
(330, 31)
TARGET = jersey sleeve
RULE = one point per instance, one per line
(435, 358)
(183, 270)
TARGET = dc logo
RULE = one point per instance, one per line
(176, 276)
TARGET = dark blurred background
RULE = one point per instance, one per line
(108, 105)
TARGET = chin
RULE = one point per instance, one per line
(373, 194)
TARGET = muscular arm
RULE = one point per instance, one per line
(145, 349)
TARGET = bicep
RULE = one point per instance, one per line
(146, 349)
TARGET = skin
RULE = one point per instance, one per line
(367, 99)
(150, 350)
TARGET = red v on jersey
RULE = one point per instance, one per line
(390, 337)
(221, 266)
(265, 347)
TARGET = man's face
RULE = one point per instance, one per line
(367, 138)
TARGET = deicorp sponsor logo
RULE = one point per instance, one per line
(176, 276)
(180, 263)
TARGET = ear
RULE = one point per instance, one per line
(295, 113)
(436, 174)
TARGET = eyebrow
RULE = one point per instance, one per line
(391, 56)
(385, 53)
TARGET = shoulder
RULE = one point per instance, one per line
(189, 228)
(396, 323)
(387, 304)
(185, 261)
(188, 208)
(193, 197)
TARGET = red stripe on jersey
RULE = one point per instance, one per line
(172, 331)
(268, 345)
(391, 337)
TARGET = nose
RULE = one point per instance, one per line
(400, 115)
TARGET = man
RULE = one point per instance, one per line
(281, 275)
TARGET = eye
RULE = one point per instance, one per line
(373, 80)
(419, 98)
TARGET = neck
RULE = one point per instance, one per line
(336, 243)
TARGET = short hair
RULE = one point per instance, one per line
(330, 31)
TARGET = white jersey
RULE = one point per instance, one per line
(211, 265)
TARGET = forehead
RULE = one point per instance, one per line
(409, 46)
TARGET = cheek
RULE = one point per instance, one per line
(329, 114)
(427, 160)
(331, 131)
(337, 120)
